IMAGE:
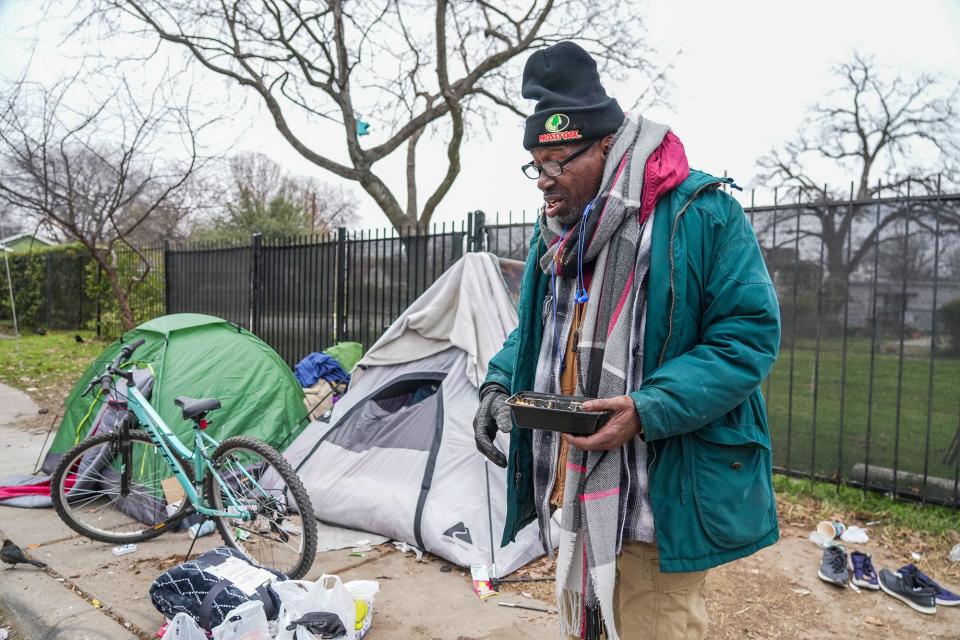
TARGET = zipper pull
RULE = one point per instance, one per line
(731, 184)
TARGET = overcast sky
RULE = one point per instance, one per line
(747, 72)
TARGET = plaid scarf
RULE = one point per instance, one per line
(605, 494)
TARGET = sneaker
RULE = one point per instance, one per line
(904, 587)
(864, 575)
(833, 566)
(944, 598)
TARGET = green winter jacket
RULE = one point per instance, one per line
(712, 335)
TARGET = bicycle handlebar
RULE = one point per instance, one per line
(106, 379)
(128, 350)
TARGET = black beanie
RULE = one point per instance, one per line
(571, 102)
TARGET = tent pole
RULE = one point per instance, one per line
(493, 561)
(13, 304)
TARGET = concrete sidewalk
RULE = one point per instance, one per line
(15, 405)
(416, 600)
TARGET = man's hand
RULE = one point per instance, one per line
(622, 426)
(493, 415)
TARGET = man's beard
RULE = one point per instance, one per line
(572, 213)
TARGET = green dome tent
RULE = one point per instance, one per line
(199, 356)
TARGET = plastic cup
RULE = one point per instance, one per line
(831, 529)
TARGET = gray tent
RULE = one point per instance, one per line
(397, 457)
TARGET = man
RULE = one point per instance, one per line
(645, 287)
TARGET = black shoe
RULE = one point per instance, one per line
(906, 589)
(833, 566)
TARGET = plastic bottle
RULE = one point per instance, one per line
(201, 529)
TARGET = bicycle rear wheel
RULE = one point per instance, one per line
(283, 532)
(109, 488)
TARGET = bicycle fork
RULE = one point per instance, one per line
(126, 458)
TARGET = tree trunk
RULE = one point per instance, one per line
(835, 280)
(123, 300)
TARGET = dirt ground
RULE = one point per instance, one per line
(773, 594)
(5, 625)
(776, 594)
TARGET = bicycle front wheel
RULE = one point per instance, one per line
(252, 476)
(109, 488)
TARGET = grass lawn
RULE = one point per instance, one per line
(804, 441)
(48, 365)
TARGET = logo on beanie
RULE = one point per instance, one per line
(556, 123)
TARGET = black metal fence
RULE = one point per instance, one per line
(867, 387)
(866, 390)
(305, 294)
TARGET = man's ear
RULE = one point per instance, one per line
(607, 144)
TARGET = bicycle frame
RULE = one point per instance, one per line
(166, 440)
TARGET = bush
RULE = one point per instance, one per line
(59, 288)
(950, 317)
(49, 288)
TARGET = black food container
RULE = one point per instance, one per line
(555, 413)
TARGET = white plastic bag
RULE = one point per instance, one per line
(326, 594)
(291, 592)
(184, 627)
(855, 535)
(246, 622)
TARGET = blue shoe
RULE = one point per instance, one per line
(906, 589)
(944, 598)
(864, 575)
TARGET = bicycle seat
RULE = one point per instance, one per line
(192, 407)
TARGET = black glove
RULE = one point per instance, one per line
(493, 414)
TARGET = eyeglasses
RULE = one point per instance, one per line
(552, 168)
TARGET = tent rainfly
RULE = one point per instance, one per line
(200, 356)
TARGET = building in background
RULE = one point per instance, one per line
(23, 242)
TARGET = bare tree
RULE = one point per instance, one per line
(401, 69)
(880, 126)
(906, 256)
(257, 175)
(96, 174)
(264, 199)
(326, 206)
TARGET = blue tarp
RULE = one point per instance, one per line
(319, 365)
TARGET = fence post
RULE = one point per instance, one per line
(99, 300)
(340, 304)
(475, 230)
(255, 284)
(48, 285)
(166, 277)
(82, 294)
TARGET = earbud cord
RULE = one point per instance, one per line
(553, 286)
(581, 294)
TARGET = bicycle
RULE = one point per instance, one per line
(110, 484)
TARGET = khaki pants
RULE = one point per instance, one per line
(651, 605)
